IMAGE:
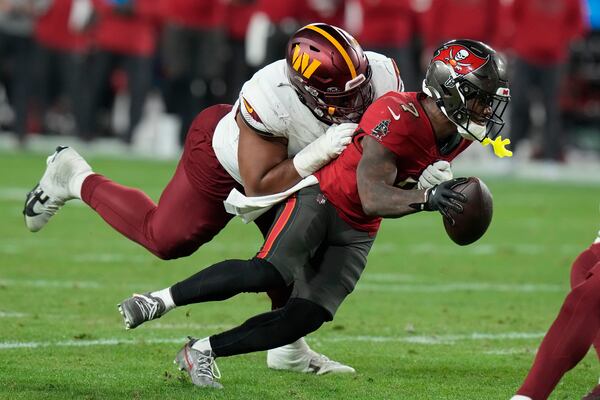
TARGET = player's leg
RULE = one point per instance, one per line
(280, 295)
(568, 339)
(334, 270)
(299, 317)
(298, 356)
(218, 282)
(190, 211)
(183, 220)
(231, 277)
(579, 272)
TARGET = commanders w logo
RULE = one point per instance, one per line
(300, 63)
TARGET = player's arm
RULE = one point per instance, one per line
(375, 176)
(264, 164)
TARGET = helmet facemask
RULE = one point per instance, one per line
(346, 106)
(481, 113)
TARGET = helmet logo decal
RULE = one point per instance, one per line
(460, 59)
(338, 46)
(300, 62)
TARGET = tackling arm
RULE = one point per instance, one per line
(264, 164)
(375, 176)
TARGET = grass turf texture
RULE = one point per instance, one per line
(408, 328)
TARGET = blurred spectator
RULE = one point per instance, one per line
(275, 21)
(60, 64)
(125, 36)
(542, 35)
(388, 27)
(237, 17)
(459, 19)
(194, 52)
(329, 11)
(16, 46)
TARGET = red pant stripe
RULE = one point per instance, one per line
(277, 227)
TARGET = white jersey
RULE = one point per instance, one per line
(269, 104)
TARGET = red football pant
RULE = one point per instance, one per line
(574, 330)
(190, 211)
(182, 221)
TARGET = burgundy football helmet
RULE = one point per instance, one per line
(330, 72)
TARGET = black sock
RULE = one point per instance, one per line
(267, 331)
(226, 279)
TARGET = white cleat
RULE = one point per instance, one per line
(55, 188)
(298, 357)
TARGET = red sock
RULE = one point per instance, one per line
(568, 339)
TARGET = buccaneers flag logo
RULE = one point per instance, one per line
(460, 58)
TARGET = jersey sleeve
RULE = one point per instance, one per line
(258, 107)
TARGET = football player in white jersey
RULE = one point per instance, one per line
(292, 117)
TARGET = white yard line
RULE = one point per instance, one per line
(19, 193)
(424, 340)
(14, 193)
(371, 283)
(49, 283)
(459, 287)
(512, 351)
(86, 343)
(436, 339)
(11, 314)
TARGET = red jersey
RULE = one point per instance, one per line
(545, 28)
(452, 19)
(195, 14)
(134, 35)
(52, 29)
(397, 121)
(387, 23)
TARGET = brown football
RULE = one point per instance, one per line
(471, 224)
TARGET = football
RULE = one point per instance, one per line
(471, 224)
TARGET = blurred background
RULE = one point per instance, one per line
(120, 80)
(128, 76)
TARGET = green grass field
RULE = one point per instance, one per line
(428, 320)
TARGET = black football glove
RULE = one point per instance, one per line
(442, 198)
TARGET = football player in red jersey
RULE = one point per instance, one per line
(322, 234)
(574, 330)
(292, 117)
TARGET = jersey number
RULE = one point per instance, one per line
(407, 108)
(410, 107)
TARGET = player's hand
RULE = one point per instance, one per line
(435, 174)
(338, 137)
(324, 149)
(442, 198)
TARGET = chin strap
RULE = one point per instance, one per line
(499, 146)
